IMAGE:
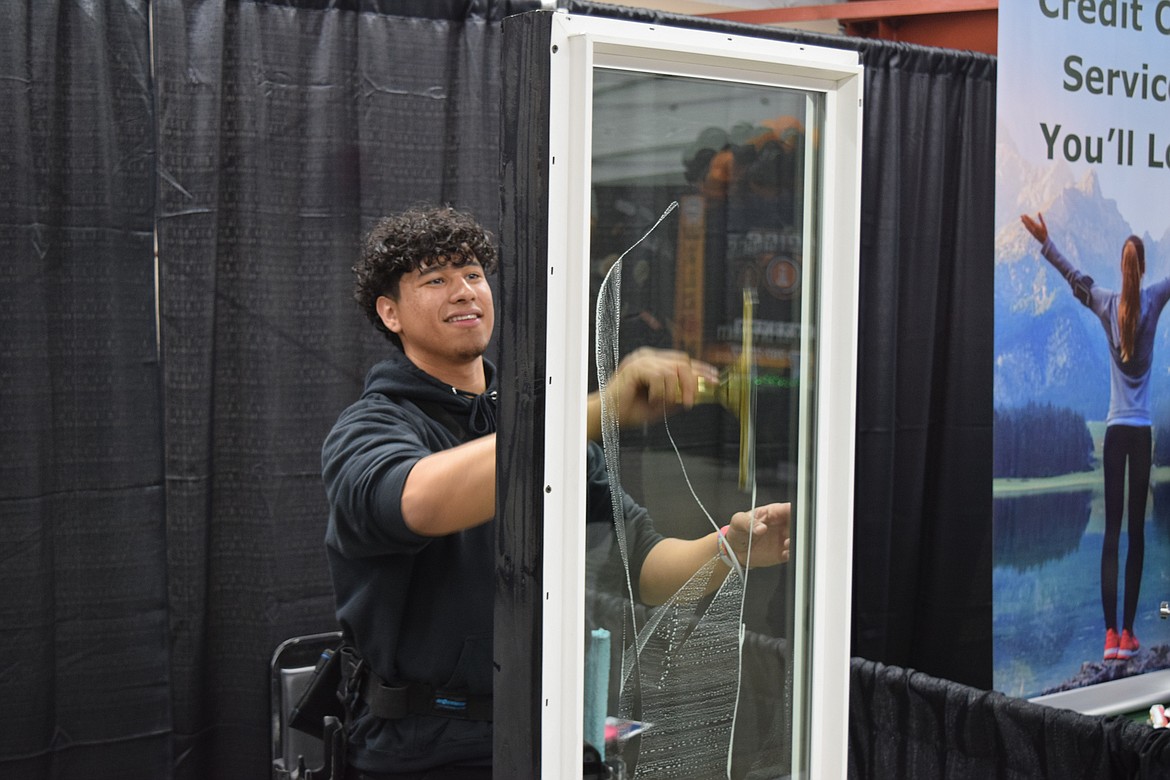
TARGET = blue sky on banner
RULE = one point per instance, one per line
(1086, 83)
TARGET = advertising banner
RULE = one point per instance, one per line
(1082, 363)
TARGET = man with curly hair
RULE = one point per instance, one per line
(409, 471)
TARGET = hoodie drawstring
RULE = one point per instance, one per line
(482, 419)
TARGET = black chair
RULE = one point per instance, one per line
(298, 754)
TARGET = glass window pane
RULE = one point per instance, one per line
(739, 160)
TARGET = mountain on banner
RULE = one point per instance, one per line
(1049, 349)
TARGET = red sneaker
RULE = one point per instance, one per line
(1129, 645)
(1112, 643)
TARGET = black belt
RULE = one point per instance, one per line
(393, 702)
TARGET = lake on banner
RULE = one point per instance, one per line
(1047, 584)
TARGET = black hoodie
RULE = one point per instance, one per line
(419, 608)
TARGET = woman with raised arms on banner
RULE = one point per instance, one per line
(1129, 319)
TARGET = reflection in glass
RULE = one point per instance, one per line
(735, 158)
(1031, 530)
(1160, 509)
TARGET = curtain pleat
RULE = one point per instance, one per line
(83, 661)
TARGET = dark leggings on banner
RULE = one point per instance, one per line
(1122, 443)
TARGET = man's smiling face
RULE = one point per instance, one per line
(444, 314)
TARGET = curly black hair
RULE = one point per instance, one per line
(422, 236)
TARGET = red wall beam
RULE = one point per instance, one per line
(857, 10)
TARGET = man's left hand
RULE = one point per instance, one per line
(769, 533)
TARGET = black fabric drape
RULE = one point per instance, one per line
(287, 132)
(922, 519)
(83, 664)
(904, 723)
(450, 10)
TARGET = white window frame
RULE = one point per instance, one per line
(824, 558)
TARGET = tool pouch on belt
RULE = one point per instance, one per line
(320, 698)
(393, 702)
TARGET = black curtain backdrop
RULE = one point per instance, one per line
(922, 552)
(162, 509)
(84, 677)
(286, 131)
